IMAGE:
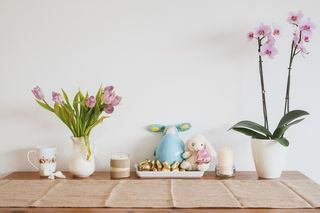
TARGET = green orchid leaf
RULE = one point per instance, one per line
(291, 116)
(283, 141)
(279, 132)
(249, 132)
(253, 126)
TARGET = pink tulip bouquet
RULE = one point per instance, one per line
(266, 36)
(83, 113)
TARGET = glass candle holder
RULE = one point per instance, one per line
(225, 163)
(225, 172)
(119, 165)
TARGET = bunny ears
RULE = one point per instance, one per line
(161, 128)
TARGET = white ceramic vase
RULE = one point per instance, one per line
(79, 165)
(269, 157)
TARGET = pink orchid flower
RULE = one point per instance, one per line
(91, 101)
(302, 49)
(306, 36)
(268, 50)
(271, 41)
(307, 25)
(276, 31)
(56, 97)
(262, 30)
(250, 36)
(37, 92)
(295, 17)
(296, 36)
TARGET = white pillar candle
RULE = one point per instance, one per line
(225, 161)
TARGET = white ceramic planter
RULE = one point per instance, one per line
(78, 164)
(269, 157)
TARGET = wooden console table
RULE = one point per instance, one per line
(241, 175)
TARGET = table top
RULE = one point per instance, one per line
(210, 175)
(240, 175)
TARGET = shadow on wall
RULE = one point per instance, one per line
(24, 119)
(220, 137)
(33, 130)
(140, 147)
(17, 159)
(227, 44)
(145, 147)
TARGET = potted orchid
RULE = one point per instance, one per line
(81, 116)
(269, 148)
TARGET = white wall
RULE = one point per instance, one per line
(171, 60)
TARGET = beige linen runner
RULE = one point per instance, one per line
(160, 193)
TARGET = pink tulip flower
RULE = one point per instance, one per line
(307, 25)
(109, 109)
(250, 36)
(56, 97)
(108, 89)
(262, 30)
(108, 98)
(37, 92)
(108, 95)
(116, 100)
(91, 101)
(295, 17)
(268, 50)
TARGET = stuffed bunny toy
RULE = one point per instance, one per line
(198, 154)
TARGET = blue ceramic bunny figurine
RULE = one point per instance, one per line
(170, 148)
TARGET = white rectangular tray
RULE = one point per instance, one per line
(159, 174)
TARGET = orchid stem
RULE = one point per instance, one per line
(263, 92)
(293, 53)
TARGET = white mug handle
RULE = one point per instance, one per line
(28, 157)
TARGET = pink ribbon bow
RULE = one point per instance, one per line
(203, 157)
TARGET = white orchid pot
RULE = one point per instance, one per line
(269, 157)
(79, 164)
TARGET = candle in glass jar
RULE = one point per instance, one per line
(120, 165)
(225, 161)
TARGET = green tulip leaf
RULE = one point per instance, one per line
(45, 106)
(65, 96)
